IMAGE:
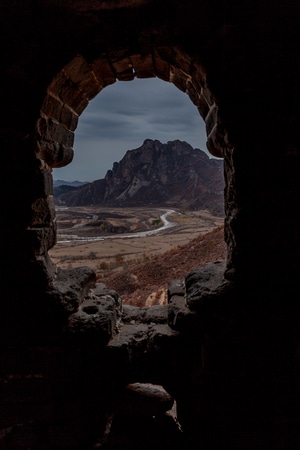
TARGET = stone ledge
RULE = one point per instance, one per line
(71, 286)
(135, 342)
(180, 317)
(207, 285)
(176, 287)
(144, 399)
(154, 314)
(96, 321)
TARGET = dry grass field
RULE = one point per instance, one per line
(77, 229)
(137, 265)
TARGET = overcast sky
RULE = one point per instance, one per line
(122, 116)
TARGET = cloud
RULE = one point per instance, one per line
(122, 116)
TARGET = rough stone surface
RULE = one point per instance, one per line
(205, 284)
(236, 377)
(134, 314)
(130, 344)
(146, 399)
(181, 318)
(175, 287)
(71, 286)
(96, 320)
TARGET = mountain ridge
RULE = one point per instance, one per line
(75, 183)
(173, 174)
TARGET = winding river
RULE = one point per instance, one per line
(166, 224)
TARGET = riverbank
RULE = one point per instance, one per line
(114, 250)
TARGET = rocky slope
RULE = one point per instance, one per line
(146, 284)
(172, 174)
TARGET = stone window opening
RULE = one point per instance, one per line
(67, 97)
(96, 316)
(81, 80)
(160, 294)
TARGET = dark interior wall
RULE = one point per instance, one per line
(248, 55)
(243, 60)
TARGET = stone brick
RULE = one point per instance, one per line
(205, 284)
(215, 145)
(103, 71)
(161, 67)
(176, 287)
(77, 69)
(68, 92)
(64, 157)
(47, 151)
(218, 141)
(198, 74)
(57, 84)
(211, 119)
(193, 93)
(139, 399)
(41, 239)
(43, 212)
(126, 75)
(178, 78)
(51, 131)
(81, 73)
(207, 94)
(181, 59)
(78, 101)
(42, 178)
(122, 66)
(203, 107)
(69, 118)
(180, 318)
(156, 314)
(45, 181)
(77, 281)
(166, 54)
(52, 107)
(143, 66)
(54, 154)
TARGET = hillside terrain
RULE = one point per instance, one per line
(140, 265)
(146, 283)
(171, 175)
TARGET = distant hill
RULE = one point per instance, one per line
(172, 175)
(69, 183)
(62, 187)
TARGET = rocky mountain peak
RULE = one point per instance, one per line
(173, 174)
